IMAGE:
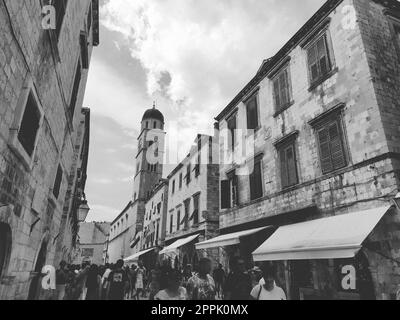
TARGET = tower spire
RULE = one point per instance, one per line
(154, 104)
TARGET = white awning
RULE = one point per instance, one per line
(179, 243)
(136, 256)
(227, 239)
(328, 238)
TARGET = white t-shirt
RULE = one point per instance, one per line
(276, 294)
(163, 295)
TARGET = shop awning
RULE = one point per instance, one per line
(328, 238)
(136, 256)
(227, 239)
(179, 243)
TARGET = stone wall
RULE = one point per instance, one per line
(27, 57)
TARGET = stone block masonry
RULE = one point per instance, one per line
(35, 66)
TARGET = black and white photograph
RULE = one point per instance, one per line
(216, 152)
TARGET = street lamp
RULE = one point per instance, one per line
(396, 201)
(83, 211)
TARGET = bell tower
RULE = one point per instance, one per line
(149, 161)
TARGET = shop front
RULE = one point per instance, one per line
(146, 256)
(182, 253)
(334, 257)
(238, 244)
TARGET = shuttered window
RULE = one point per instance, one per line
(171, 223)
(196, 199)
(75, 89)
(331, 147)
(229, 197)
(232, 132)
(178, 221)
(252, 113)
(256, 188)
(282, 90)
(83, 42)
(188, 174)
(225, 194)
(319, 62)
(289, 176)
(57, 182)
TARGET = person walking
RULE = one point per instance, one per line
(61, 280)
(154, 285)
(202, 286)
(117, 282)
(219, 278)
(267, 288)
(238, 283)
(140, 275)
(81, 280)
(174, 290)
(93, 283)
(104, 281)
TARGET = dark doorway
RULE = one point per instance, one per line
(5, 246)
(300, 276)
(34, 288)
(185, 261)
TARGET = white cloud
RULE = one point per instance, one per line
(210, 49)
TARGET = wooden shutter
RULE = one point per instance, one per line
(313, 62)
(225, 194)
(323, 57)
(258, 192)
(336, 146)
(324, 147)
(256, 182)
(282, 89)
(291, 166)
(235, 196)
(277, 94)
(252, 116)
(178, 221)
(284, 173)
(57, 182)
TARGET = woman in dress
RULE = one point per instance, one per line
(139, 286)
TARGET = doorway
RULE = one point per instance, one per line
(34, 288)
(301, 277)
(5, 247)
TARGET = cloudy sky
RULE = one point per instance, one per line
(191, 56)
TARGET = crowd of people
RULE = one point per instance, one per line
(122, 282)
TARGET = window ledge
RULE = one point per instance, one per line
(283, 109)
(322, 79)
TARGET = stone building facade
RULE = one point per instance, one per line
(118, 245)
(43, 74)
(193, 202)
(155, 219)
(91, 240)
(324, 115)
